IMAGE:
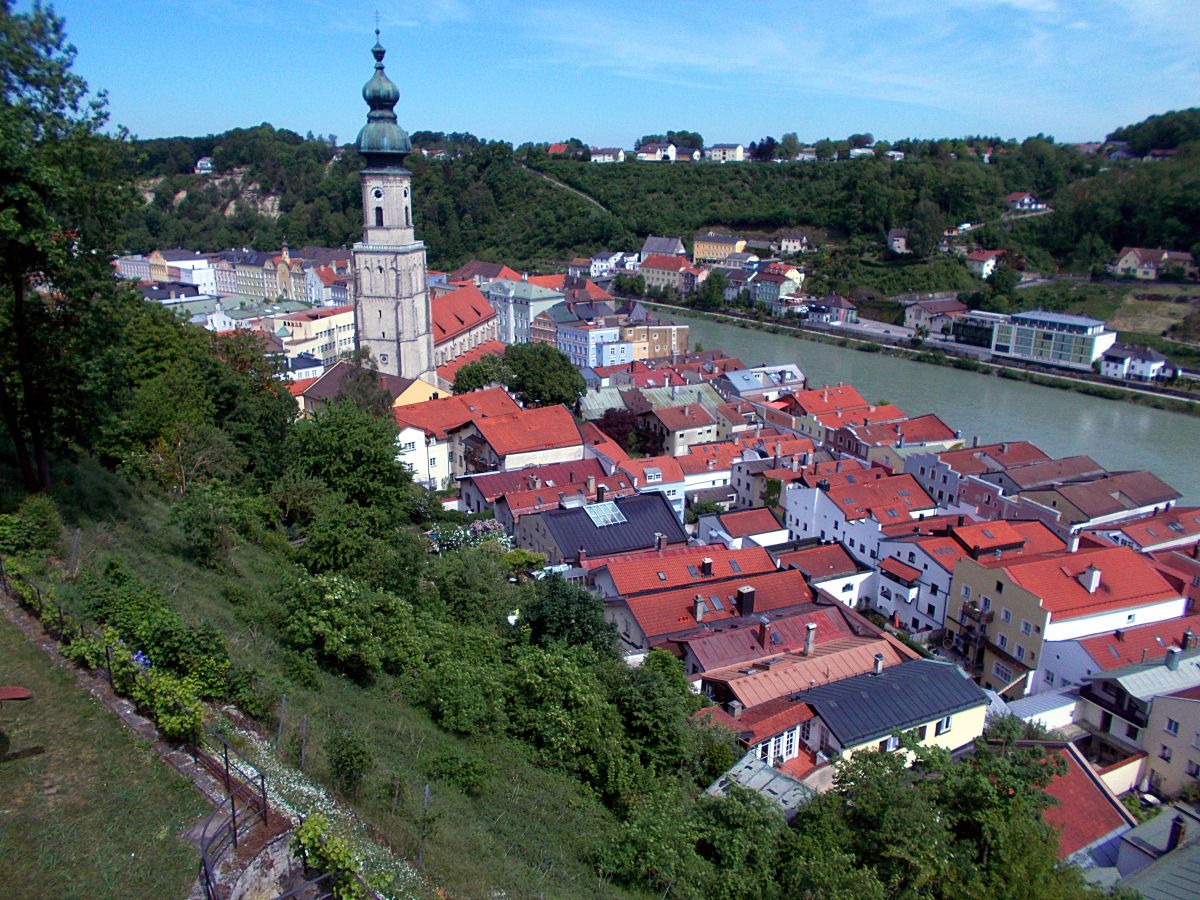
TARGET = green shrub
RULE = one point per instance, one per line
(42, 524)
(350, 760)
(328, 853)
(471, 774)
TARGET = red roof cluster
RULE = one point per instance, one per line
(458, 312)
(1086, 810)
(749, 521)
(439, 417)
(530, 430)
(1142, 643)
(894, 497)
(666, 263)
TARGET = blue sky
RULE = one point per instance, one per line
(607, 72)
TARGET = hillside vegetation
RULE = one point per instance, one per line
(485, 203)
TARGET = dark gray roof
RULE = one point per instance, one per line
(645, 514)
(1174, 874)
(669, 246)
(870, 706)
(168, 290)
(329, 386)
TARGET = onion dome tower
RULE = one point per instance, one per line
(391, 300)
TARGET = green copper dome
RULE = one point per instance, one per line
(382, 141)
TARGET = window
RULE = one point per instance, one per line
(379, 217)
(1002, 641)
(942, 726)
(408, 445)
(1165, 753)
(1003, 672)
(1193, 768)
(966, 592)
(1005, 616)
(1131, 732)
(887, 745)
(1049, 677)
(1172, 728)
(1020, 652)
(1026, 627)
(999, 587)
(806, 730)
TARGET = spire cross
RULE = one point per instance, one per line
(377, 24)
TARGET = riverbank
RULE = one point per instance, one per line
(1015, 372)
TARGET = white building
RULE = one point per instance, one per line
(1056, 339)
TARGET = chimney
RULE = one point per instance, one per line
(764, 632)
(825, 394)
(1177, 834)
(745, 600)
(591, 485)
(962, 520)
(698, 608)
(975, 441)
(808, 457)
(878, 664)
(1090, 579)
(534, 481)
(706, 566)
(795, 463)
(1189, 639)
(837, 467)
(1004, 447)
(735, 708)
(582, 556)
(810, 638)
(660, 541)
(1119, 634)
(778, 450)
(601, 493)
(1172, 660)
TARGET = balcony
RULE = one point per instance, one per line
(971, 610)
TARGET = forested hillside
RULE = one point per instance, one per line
(271, 185)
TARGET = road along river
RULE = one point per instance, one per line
(1063, 423)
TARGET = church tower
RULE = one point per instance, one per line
(391, 299)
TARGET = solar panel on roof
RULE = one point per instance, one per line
(605, 513)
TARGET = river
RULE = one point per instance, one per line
(1117, 435)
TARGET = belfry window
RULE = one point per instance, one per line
(407, 223)
(379, 217)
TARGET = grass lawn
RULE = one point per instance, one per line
(85, 809)
(1148, 316)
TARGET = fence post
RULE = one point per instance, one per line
(62, 623)
(233, 817)
(262, 789)
(108, 666)
(282, 714)
(303, 739)
(225, 747)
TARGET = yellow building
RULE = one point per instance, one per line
(713, 248)
(656, 341)
(1005, 613)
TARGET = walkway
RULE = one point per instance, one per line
(566, 187)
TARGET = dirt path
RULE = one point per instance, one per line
(566, 187)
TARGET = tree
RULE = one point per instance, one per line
(1004, 279)
(789, 145)
(824, 149)
(361, 387)
(712, 291)
(564, 613)
(63, 193)
(764, 150)
(486, 371)
(542, 375)
(926, 228)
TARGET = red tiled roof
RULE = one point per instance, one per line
(734, 641)
(667, 612)
(679, 418)
(897, 496)
(522, 502)
(920, 430)
(592, 290)
(653, 573)
(768, 719)
(300, 385)
(827, 400)
(668, 263)
(492, 485)
(440, 416)
(458, 312)
(720, 453)
(904, 572)
(984, 255)
(487, 348)
(873, 415)
(989, 457)
(835, 660)
(669, 470)
(821, 561)
(320, 312)
(982, 537)
(1127, 579)
(556, 149)
(749, 521)
(599, 441)
(1126, 646)
(485, 270)
(1086, 810)
(529, 430)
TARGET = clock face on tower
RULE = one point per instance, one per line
(377, 193)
